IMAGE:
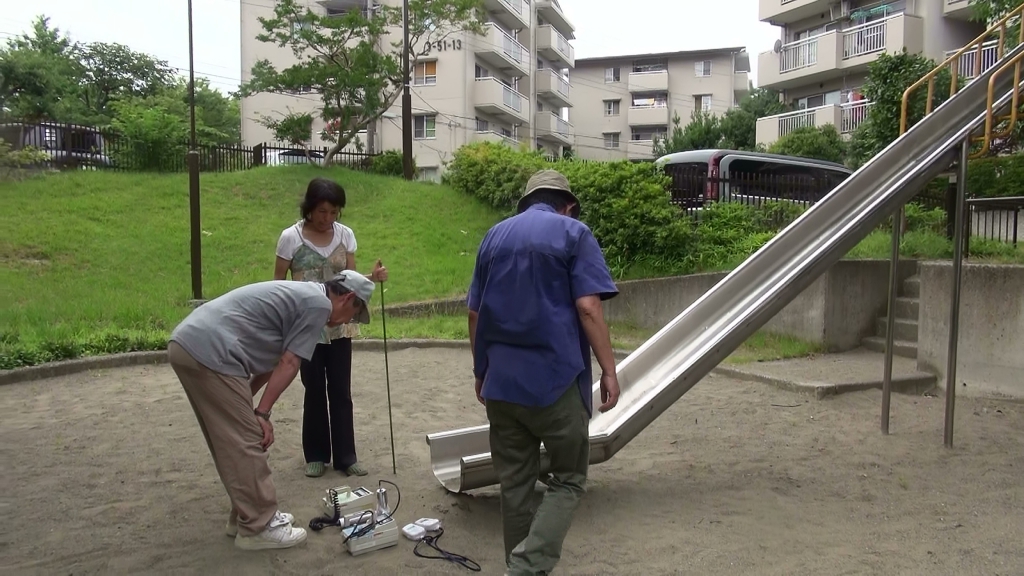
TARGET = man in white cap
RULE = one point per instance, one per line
(534, 316)
(224, 352)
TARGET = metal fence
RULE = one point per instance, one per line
(692, 188)
(993, 219)
(71, 146)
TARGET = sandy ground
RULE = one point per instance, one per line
(107, 473)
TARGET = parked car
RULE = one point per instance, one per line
(67, 145)
(282, 156)
(716, 175)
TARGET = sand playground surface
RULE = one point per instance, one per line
(107, 473)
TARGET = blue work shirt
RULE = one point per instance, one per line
(530, 270)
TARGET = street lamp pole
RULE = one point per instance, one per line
(406, 98)
(193, 174)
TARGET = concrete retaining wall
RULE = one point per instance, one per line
(990, 354)
(837, 311)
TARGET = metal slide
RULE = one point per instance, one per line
(665, 367)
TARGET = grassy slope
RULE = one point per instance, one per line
(87, 251)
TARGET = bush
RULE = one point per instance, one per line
(14, 163)
(996, 177)
(390, 164)
(627, 205)
(822, 143)
(16, 354)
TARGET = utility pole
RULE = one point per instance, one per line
(406, 97)
(193, 175)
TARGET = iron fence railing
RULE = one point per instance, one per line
(72, 146)
(993, 219)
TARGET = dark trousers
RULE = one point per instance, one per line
(328, 427)
(533, 540)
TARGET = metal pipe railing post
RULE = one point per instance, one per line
(890, 319)
(954, 312)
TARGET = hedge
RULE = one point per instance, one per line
(627, 205)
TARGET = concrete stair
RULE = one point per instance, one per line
(907, 309)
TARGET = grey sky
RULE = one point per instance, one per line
(604, 27)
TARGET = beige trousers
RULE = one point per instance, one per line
(223, 407)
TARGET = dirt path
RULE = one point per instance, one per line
(107, 473)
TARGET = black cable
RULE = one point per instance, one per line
(373, 517)
(431, 541)
(321, 522)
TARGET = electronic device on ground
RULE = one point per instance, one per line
(371, 535)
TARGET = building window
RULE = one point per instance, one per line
(648, 134)
(611, 107)
(702, 102)
(818, 100)
(482, 72)
(540, 64)
(650, 65)
(611, 75)
(703, 69)
(651, 101)
(424, 74)
(611, 140)
(482, 125)
(424, 127)
(540, 106)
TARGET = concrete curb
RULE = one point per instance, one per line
(900, 384)
(917, 384)
(68, 367)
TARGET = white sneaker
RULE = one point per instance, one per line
(231, 528)
(279, 533)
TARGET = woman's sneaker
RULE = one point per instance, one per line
(279, 533)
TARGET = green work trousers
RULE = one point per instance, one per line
(533, 541)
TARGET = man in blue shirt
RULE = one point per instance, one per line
(534, 315)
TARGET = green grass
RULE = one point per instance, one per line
(761, 347)
(87, 253)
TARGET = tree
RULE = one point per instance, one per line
(822, 143)
(988, 12)
(112, 71)
(39, 74)
(888, 78)
(294, 128)
(739, 125)
(703, 131)
(349, 60)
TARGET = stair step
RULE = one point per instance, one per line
(908, 308)
(912, 287)
(904, 330)
(904, 349)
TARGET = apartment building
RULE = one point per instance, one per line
(508, 85)
(622, 103)
(821, 60)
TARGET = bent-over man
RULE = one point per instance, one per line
(224, 352)
(534, 315)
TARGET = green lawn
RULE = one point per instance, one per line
(98, 262)
(88, 253)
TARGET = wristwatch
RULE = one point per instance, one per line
(264, 415)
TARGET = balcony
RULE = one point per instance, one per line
(781, 12)
(839, 52)
(498, 138)
(551, 128)
(512, 14)
(640, 149)
(846, 118)
(957, 9)
(553, 46)
(502, 52)
(493, 97)
(968, 66)
(554, 87)
(648, 115)
(551, 12)
(656, 81)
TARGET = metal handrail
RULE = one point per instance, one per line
(989, 114)
(953, 61)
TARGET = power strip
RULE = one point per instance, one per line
(384, 535)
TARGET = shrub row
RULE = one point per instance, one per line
(15, 353)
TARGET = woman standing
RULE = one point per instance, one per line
(316, 248)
